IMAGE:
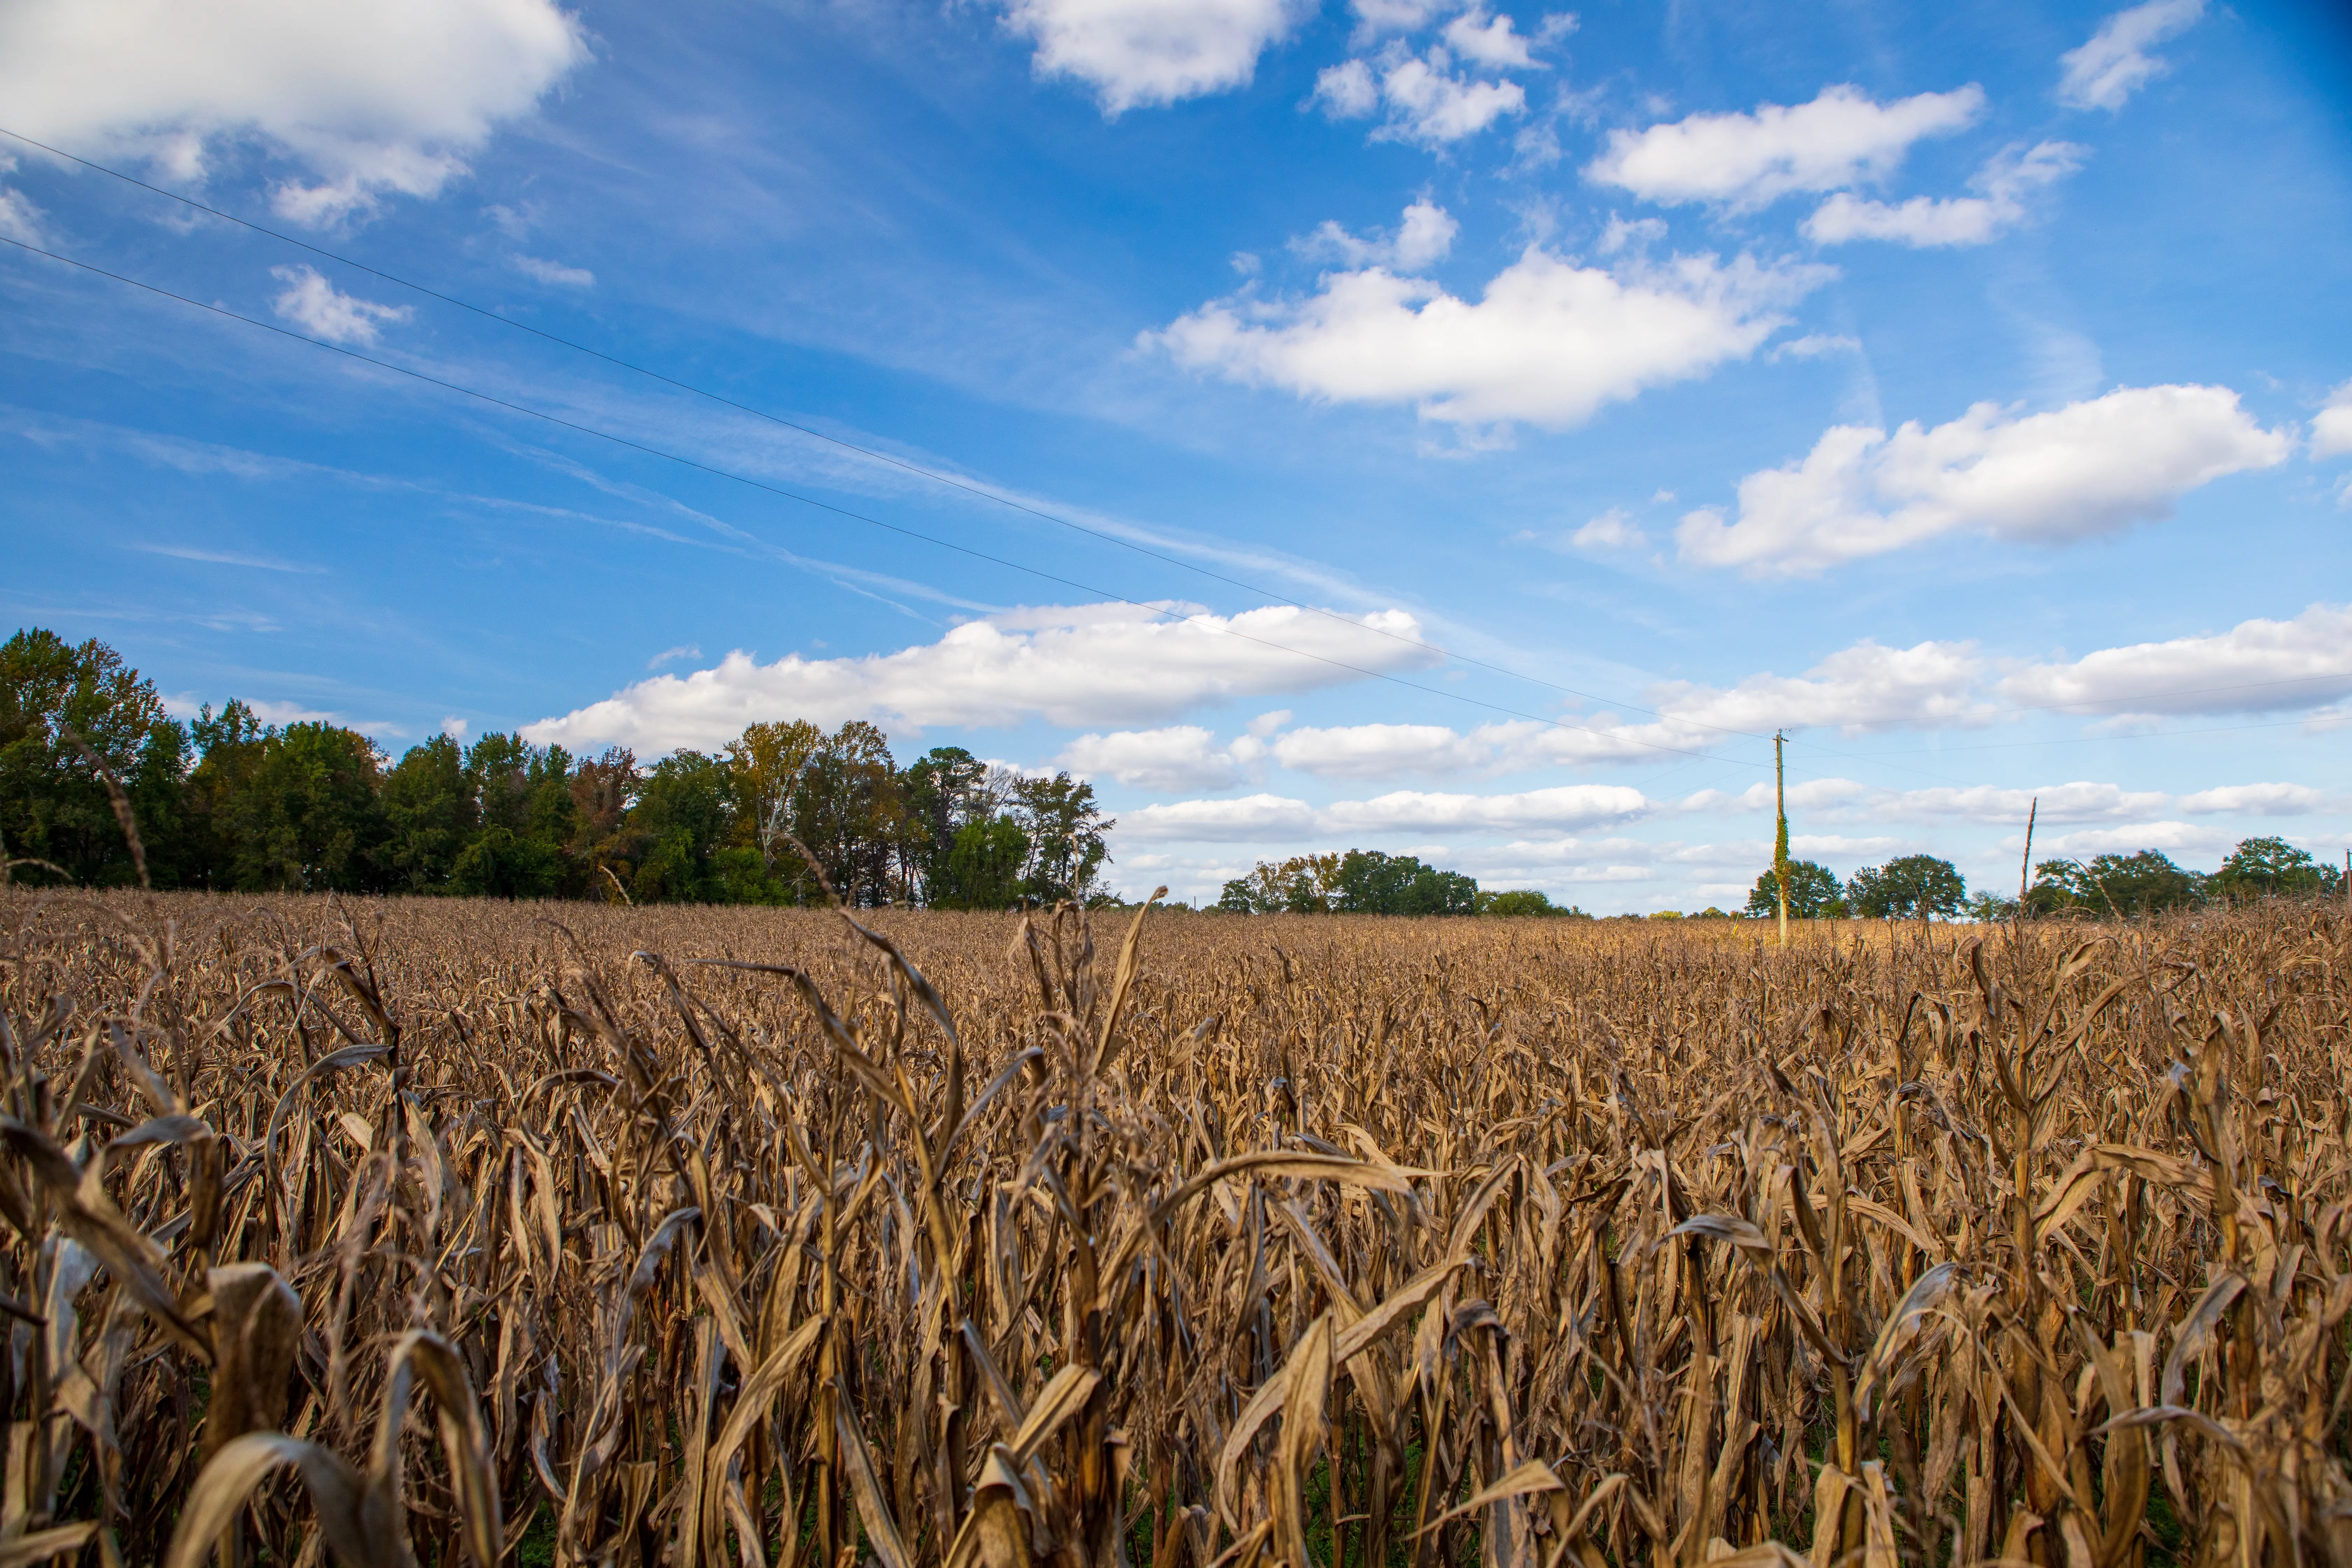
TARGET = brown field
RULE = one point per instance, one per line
(333, 1228)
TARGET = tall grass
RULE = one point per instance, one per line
(709, 1236)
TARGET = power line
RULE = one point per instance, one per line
(841, 512)
(917, 469)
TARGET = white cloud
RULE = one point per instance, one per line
(1564, 809)
(311, 302)
(1380, 751)
(1550, 341)
(1181, 758)
(1252, 819)
(2257, 666)
(19, 218)
(1840, 800)
(1423, 236)
(1857, 689)
(368, 97)
(2115, 63)
(2174, 838)
(1427, 101)
(1491, 41)
(1075, 666)
(2260, 800)
(1840, 139)
(284, 713)
(2087, 469)
(1141, 53)
(1269, 818)
(1925, 222)
(671, 655)
(2331, 427)
(1348, 90)
(2076, 801)
(1374, 17)
(1813, 345)
(555, 272)
(455, 727)
(1612, 530)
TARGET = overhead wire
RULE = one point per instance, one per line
(622, 441)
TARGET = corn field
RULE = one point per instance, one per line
(429, 1231)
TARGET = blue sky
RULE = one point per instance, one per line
(1482, 429)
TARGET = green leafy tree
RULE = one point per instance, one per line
(984, 867)
(1372, 882)
(299, 809)
(844, 807)
(1525, 902)
(1239, 897)
(53, 806)
(940, 793)
(429, 815)
(503, 864)
(2135, 884)
(1912, 887)
(1814, 894)
(685, 815)
(526, 818)
(1065, 828)
(2267, 868)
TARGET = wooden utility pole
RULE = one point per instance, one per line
(1780, 838)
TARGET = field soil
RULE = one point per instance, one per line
(352, 1229)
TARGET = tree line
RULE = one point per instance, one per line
(228, 803)
(1369, 882)
(1922, 887)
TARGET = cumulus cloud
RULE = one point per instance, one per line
(317, 306)
(367, 97)
(1842, 138)
(1266, 818)
(1566, 808)
(1182, 757)
(1423, 236)
(2257, 666)
(2260, 800)
(1925, 222)
(2331, 427)
(1382, 751)
(1075, 666)
(1252, 819)
(1495, 42)
(2115, 64)
(1843, 800)
(2089, 467)
(2175, 838)
(1855, 690)
(1549, 342)
(1428, 103)
(1143, 53)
